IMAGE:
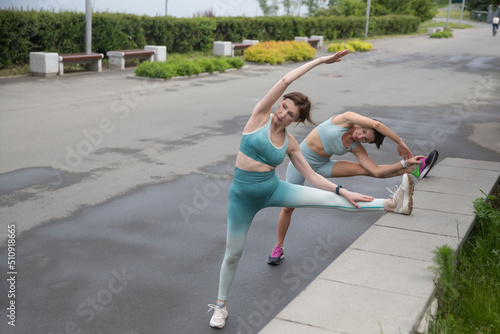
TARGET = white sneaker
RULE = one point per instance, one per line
(219, 317)
(403, 195)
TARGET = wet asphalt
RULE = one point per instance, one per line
(122, 230)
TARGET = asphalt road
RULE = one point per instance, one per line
(117, 187)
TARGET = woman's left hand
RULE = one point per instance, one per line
(353, 197)
(415, 160)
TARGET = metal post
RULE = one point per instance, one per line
(461, 14)
(166, 7)
(88, 26)
(448, 16)
(368, 17)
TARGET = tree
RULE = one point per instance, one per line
(313, 5)
(421, 8)
(271, 9)
(290, 5)
(478, 4)
(424, 9)
(344, 8)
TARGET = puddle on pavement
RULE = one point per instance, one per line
(37, 176)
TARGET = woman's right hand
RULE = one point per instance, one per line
(353, 197)
(336, 57)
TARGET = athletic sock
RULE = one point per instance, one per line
(416, 172)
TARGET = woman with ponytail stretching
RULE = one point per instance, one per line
(336, 136)
(264, 144)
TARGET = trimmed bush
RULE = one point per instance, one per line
(184, 67)
(336, 47)
(277, 52)
(360, 45)
(353, 45)
(441, 34)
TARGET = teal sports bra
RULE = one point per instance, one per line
(331, 138)
(258, 146)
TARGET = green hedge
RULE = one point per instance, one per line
(22, 32)
(185, 67)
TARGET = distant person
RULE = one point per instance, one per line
(265, 143)
(495, 24)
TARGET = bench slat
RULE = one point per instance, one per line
(133, 52)
(80, 56)
(241, 46)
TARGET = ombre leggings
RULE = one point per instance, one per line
(250, 192)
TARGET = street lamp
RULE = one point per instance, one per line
(448, 16)
(88, 26)
(367, 17)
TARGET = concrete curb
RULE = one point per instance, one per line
(381, 283)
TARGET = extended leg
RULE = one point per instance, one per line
(345, 168)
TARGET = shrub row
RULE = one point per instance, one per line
(22, 32)
(185, 67)
(277, 52)
(441, 34)
(352, 45)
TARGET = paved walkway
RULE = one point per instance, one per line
(381, 283)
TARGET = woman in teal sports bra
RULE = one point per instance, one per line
(336, 136)
(265, 143)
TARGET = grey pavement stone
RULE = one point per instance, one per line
(432, 222)
(396, 242)
(381, 271)
(352, 309)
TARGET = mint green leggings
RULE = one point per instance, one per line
(250, 192)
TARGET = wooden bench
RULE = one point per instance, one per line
(241, 47)
(244, 45)
(117, 58)
(92, 61)
(314, 42)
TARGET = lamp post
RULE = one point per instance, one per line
(368, 17)
(461, 14)
(448, 16)
(88, 26)
(166, 7)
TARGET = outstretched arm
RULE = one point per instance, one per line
(350, 118)
(381, 170)
(319, 181)
(263, 108)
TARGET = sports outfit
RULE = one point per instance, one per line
(331, 139)
(250, 192)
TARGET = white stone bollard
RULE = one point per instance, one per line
(44, 64)
(223, 48)
(116, 59)
(301, 39)
(160, 52)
